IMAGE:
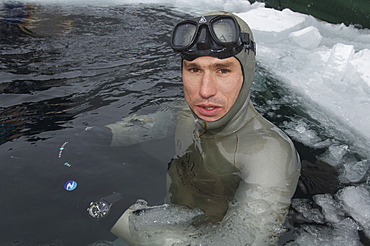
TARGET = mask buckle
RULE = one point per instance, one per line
(249, 44)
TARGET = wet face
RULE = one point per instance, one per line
(211, 85)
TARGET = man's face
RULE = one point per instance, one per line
(211, 85)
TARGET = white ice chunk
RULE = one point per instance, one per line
(257, 5)
(358, 70)
(354, 171)
(269, 25)
(334, 154)
(305, 208)
(330, 208)
(308, 37)
(341, 234)
(237, 6)
(356, 204)
(359, 61)
(323, 144)
(337, 63)
(298, 129)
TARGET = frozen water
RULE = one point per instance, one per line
(356, 204)
(239, 6)
(338, 222)
(330, 208)
(358, 70)
(308, 37)
(298, 129)
(272, 26)
(305, 208)
(335, 154)
(336, 65)
(354, 171)
(341, 234)
(326, 64)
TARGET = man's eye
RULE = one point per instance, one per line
(224, 71)
(194, 70)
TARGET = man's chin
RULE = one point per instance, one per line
(208, 118)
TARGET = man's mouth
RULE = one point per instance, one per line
(208, 110)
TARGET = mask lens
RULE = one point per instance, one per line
(225, 30)
(184, 35)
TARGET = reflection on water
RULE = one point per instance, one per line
(73, 60)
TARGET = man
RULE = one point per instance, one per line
(234, 172)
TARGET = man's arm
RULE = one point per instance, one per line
(269, 180)
(137, 129)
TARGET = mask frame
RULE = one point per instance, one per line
(214, 35)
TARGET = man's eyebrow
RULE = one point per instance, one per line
(191, 64)
(216, 64)
(223, 64)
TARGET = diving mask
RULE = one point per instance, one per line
(214, 35)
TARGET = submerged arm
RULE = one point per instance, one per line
(137, 129)
(256, 221)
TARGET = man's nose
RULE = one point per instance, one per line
(207, 88)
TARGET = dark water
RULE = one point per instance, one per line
(64, 68)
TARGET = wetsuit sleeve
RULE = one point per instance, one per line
(137, 129)
(267, 186)
(156, 226)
